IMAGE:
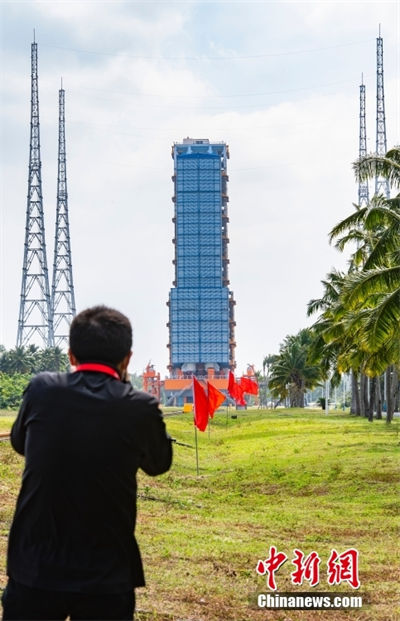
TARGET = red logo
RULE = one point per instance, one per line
(270, 566)
(340, 567)
(344, 568)
(306, 568)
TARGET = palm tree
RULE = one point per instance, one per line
(291, 373)
(268, 360)
(374, 293)
(53, 359)
(371, 293)
(333, 341)
(387, 166)
(18, 360)
(358, 329)
(32, 360)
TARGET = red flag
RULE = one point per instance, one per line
(240, 399)
(215, 399)
(231, 385)
(200, 402)
(235, 390)
(249, 385)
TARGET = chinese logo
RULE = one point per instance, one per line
(340, 567)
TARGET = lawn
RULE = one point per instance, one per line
(287, 478)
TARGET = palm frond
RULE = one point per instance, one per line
(377, 362)
(383, 323)
(372, 165)
(352, 221)
(353, 236)
(315, 305)
(381, 216)
(387, 244)
(359, 285)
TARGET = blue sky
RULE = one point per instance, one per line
(278, 81)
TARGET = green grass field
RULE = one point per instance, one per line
(292, 479)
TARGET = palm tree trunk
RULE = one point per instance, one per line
(378, 398)
(355, 395)
(396, 390)
(372, 392)
(353, 404)
(302, 393)
(389, 393)
(297, 397)
(364, 394)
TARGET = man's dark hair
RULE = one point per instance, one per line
(100, 334)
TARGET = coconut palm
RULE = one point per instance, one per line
(18, 360)
(53, 359)
(387, 166)
(374, 290)
(291, 374)
(371, 292)
(321, 351)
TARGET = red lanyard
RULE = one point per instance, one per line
(100, 368)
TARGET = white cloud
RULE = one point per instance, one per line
(351, 16)
(101, 23)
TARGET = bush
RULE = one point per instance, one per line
(11, 389)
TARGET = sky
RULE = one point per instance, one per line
(277, 81)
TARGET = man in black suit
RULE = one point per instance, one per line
(72, 550)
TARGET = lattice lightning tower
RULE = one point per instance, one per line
(363, 194)
(62, 291)
(35, 319)
(381, 185)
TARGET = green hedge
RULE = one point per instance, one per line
(11, 389)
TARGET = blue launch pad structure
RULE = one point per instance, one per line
(201, 306)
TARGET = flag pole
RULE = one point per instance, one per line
(197, 450)
(195, 427)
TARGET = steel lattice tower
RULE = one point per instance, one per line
(381, 185)
(363, 194)
(62, 290)
(35, 319)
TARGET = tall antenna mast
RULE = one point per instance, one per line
(363, 194)
(381, 185)
(62, 290)
(35, 320)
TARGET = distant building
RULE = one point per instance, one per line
(201, 307)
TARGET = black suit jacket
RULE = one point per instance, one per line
(84, 436)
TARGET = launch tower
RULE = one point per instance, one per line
(201, 307)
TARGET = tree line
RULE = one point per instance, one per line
(357, 330)
(31, 360)
(18, 365)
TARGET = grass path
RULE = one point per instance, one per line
(293, 479)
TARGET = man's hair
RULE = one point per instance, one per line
(100, 334)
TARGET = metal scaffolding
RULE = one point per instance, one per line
(201, 307)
